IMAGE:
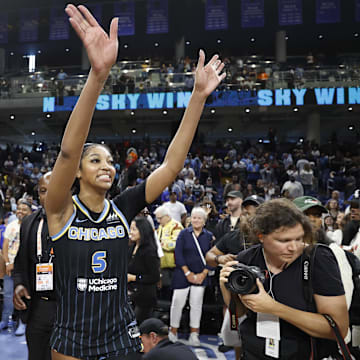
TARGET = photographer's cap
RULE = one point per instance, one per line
(234, 194)
(304, 203)
(253, 200)
(153, 325)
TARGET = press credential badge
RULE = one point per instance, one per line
(45, 277)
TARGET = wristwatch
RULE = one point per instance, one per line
(7, 263)
(217, 258)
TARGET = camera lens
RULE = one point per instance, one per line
(241, 280)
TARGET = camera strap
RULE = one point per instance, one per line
(234, 322)
(308, 261)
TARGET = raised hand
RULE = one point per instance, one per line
(209, 76)
(102, 49)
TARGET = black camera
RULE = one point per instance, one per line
(243, 279)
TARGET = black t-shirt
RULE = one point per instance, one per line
(232, 242)
(223, 227)
(287, 288)
(166, 350)
(197, 190)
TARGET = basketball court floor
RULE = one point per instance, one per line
(14, 347)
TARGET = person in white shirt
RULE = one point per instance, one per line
(186, 171)
(287, 160)
(307, 178)
(294, 188)
(176, 208)
(10, 248)
(189, 181)
(300, 163)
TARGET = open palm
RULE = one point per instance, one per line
(208, 77)
(101, 48)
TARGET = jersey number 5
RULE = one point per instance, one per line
(98, 263)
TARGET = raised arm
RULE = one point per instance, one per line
(102, 52)
(207, 78)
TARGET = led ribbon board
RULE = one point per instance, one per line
(179, 100)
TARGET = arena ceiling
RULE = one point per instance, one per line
(186, 18)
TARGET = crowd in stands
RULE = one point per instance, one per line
(212, 175)
(330, 172)
(151, 75)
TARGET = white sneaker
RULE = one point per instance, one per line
(194, 339)
(173, 337)
(20, 331)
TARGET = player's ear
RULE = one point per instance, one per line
(153, 337)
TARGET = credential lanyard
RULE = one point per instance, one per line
(39, 243)
(38, 240)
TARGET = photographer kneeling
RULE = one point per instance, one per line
(280, 323)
